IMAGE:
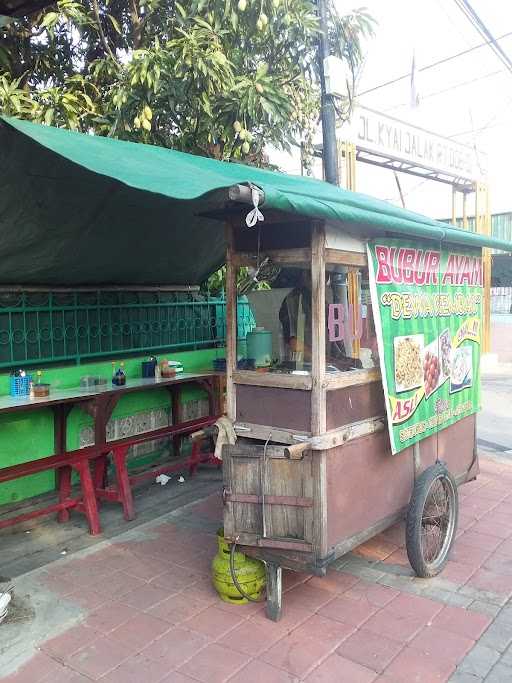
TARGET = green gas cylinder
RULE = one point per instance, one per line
(249, 573)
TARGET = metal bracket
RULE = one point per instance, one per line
(226, 494)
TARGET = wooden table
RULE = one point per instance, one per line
(99, 403)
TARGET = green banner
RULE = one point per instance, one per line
(427, 306)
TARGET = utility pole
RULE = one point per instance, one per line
(328, 112)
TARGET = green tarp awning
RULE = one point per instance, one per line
(80, 209)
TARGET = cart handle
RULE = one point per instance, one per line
(297, 451)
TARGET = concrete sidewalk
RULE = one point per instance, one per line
(140, 608)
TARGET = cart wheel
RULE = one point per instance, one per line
(432, 521)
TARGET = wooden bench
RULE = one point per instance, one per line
(120, 491)
(77, 460)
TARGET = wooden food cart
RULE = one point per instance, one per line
(312, 474)
(316, 470)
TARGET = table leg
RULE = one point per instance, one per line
(100, 409)
(64, 485)
(123, 482)
(176, 419)
(212, 388)
(216, 399)
(60, 415)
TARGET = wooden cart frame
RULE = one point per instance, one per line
(312, 475)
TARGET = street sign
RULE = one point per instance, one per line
(385, 136)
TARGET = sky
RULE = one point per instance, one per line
(468, 98)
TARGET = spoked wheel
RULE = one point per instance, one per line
(432, 520)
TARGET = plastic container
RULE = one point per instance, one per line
(88, 382)
(167, 371)
(20, 386)
(41, 390)
(246, 364)
(148, 368)
(259, 346)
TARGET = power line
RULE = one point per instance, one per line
(434, 64)
(456, 25)
(478, 24)
(450, 88)
(490, 123)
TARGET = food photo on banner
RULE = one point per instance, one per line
(427, 305)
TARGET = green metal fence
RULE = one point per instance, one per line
(46, 327)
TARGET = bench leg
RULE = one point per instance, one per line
(195, 457)
(90, 503)
(64, 485)
(123, 482)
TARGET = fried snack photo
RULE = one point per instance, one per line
(408, 368)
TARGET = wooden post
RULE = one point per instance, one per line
(231, 324)
(274, 590)
(347, 153)
(483, 227)
(353, 299)
(318, 417)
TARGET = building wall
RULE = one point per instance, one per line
(501, 226)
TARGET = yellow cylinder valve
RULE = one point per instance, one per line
(250, 574)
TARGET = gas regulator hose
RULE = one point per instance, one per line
(234, 576)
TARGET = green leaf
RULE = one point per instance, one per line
(48, 116)
(115, 24)
(49, 19)
(261, 71)
(201, 22)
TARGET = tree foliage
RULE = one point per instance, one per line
(221, 78)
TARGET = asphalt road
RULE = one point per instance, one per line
(494, 431)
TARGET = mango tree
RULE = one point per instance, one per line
(221, 78)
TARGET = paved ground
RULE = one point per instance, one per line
(29, 546)
(494, 423)
(136, 605)
(140, 608)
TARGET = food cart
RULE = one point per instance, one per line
(363, 408)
